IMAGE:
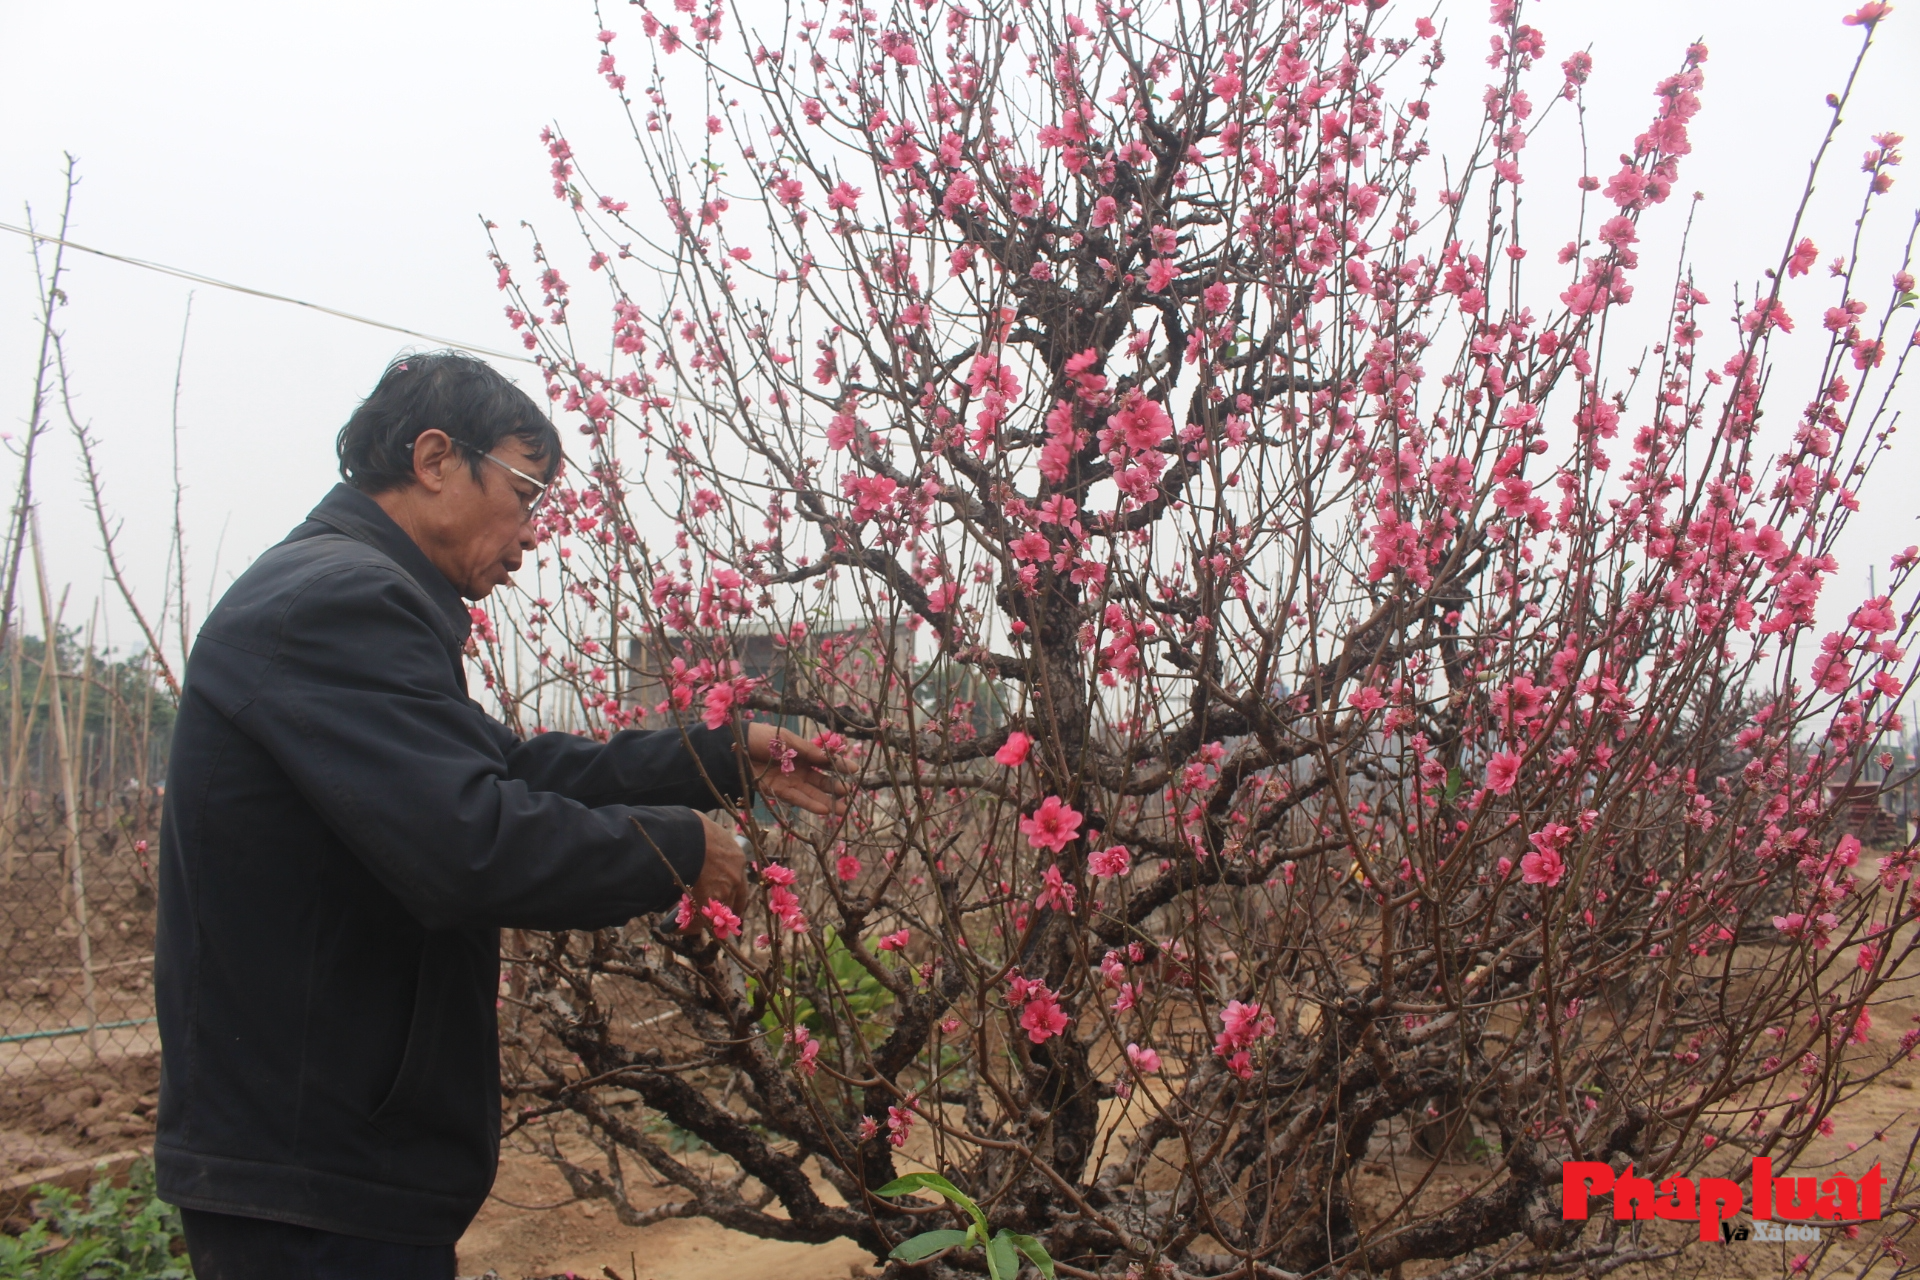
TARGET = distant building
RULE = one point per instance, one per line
(840, 664)
(1861, 814)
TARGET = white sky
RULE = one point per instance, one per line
(342, 154)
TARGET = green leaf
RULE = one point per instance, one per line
(112, 1232)
(934, 1182)
(912, 1182)
(1456, 779)
(1003, 1260)
(926, 1244)
(1035, 1251)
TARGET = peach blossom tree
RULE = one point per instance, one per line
(1341, 722)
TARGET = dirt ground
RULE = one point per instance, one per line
(53, 1119)
(518, 1243)
(531, 1227)
(584, 1238)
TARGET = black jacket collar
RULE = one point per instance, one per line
(359, 517)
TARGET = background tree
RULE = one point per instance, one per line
(1396, 743)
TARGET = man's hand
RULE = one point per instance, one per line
(723, 876)
(788, 767)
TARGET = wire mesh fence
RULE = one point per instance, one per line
(84, 744)
(76, 933)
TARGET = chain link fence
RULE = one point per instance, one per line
(76, 935)
(79, 816)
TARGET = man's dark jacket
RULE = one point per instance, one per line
(345, 834)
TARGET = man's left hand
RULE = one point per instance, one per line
(789, 768)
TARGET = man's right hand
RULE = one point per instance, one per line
(723, 877)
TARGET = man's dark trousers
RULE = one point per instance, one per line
(228, 1248)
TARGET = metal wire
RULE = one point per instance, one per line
(182, 273)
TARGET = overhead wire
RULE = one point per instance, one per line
(197, 278)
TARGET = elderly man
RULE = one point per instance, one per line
(346, 832)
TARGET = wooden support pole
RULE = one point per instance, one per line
(50, 663)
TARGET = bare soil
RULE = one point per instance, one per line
(586, 1239)
(64, 1116)
(532, 1226)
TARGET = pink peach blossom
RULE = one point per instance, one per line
(1503, 770)
(1054, 825)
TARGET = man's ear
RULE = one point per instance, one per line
(434, 456)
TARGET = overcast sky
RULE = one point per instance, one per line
(343, 153)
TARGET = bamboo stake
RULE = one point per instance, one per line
(50, 663)
(113, 740)
(18, 738)
(14, 676)
(146, 723)
(83, 762)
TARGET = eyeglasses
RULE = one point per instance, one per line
(542, 489)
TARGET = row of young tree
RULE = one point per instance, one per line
(119, 718)
(1412, 745)
(86, 727)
